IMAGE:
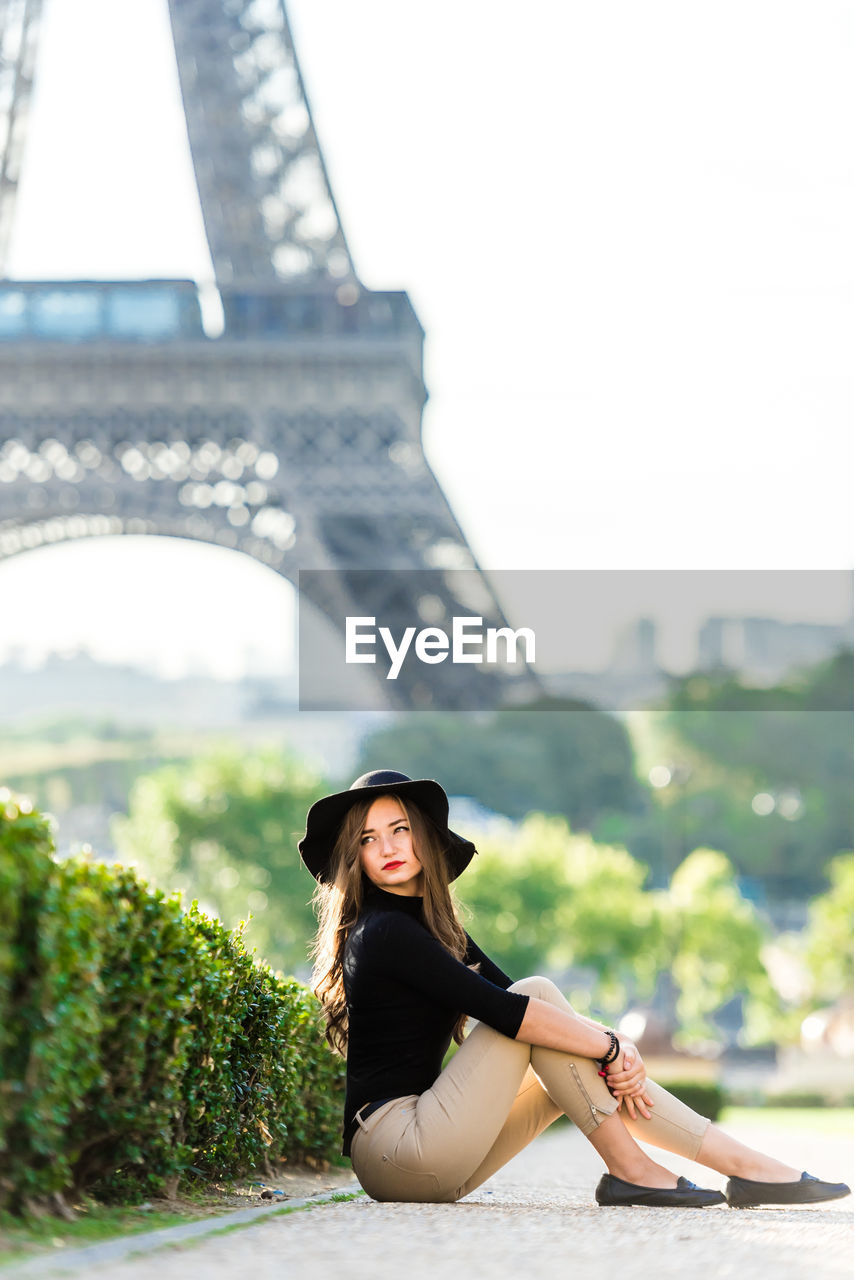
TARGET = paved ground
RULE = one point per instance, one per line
(537, 1217)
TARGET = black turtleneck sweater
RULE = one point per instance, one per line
(404, 993)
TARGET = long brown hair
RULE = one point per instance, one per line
(339, 902)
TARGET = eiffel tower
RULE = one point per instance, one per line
(294, 436)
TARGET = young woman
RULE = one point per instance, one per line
(398, 976)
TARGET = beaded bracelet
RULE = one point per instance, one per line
(613, 1051)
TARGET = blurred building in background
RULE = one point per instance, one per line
(765, 650)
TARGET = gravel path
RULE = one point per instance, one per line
(537, 1217)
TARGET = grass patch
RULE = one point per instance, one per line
(25, 1237)
(834, 1121)
(21, 1238)
(340, 1197)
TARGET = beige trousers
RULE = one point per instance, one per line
(492, 1099)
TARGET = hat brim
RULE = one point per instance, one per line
(326, 815)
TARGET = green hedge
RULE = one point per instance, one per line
(707, 1098)
(807, 1099)
(140, 1043)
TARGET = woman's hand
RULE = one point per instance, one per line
(626, 1078)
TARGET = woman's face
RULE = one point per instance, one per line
(388, 858)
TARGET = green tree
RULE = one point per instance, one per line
(543, 897)
(224, 828)
(715, 938)
(556, 757)
(829, 936)
(793, 742)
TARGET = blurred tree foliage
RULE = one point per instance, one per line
(557, 757)
(794, 744)
(726, 745)
(545, 897)
(225, 827)
(829, 949)
(714, 939)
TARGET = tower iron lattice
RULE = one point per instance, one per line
(295, 434)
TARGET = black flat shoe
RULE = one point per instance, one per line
(685, 1195)
(742, 1193)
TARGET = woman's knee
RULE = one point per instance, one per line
(541, 988)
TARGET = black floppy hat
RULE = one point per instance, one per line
(326, 815)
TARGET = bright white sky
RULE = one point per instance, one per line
(626, 228)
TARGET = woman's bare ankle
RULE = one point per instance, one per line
(643, 1173)
(729, 1156)
(765, 1169)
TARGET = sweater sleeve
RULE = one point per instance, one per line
(488, 968)
(417, 959)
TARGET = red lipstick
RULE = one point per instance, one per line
(389, 866)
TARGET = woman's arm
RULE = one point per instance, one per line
(553, 1028)
(399, 946)
(405, 948)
